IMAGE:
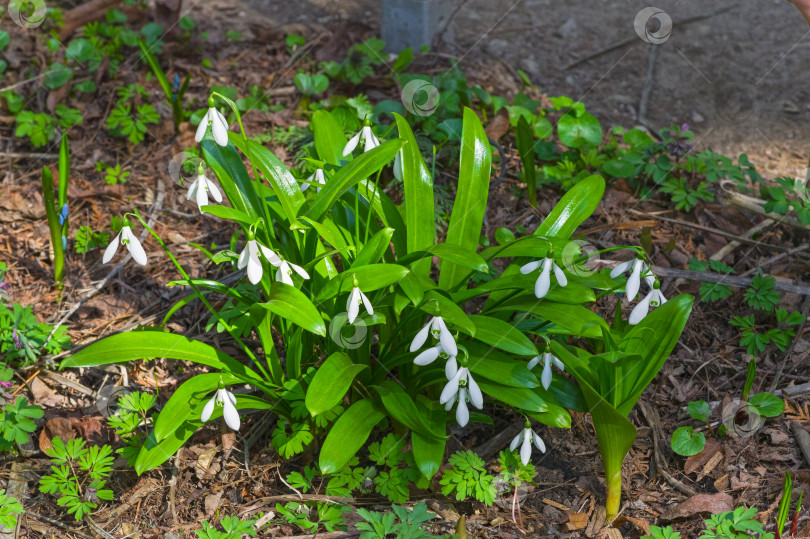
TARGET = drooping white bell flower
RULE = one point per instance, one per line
(438, 329)
(548, 359)
(200, 187)
(356, 297)
(451, 367)
(543, 282)
(637, 268)
(131, 242)
(250, 257)
(366, 135)
(285, 271)
(527, 436)
(315, 177)
(460, 386)
(224, 398)
(218, 123)
(654, 298)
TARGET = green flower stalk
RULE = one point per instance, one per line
(56, 210)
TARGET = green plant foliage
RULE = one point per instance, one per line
(87, 239)
(686, 442)
(232, 527)
(23, 339)
(467, 477)
(17, 422)
(402, 522)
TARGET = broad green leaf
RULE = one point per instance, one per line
(401, 408)
(371, 277)
(766, 404)
(329, 138)
(418, 186)
(568, 319)
(449, 253)
(330, 383)
(498, 367)
(138, 345)
(555, 416)
(686, 442)
(470, 204)
(226, 212)
(348, 435)
(214, 286)
(519, 397)
(352, 173)
(502, 335)
(233, 177)
(386, 211)
(572, 293)
(575, 206)
(374, 249)
(524, 139)
(428, 451)
(699, 410)
(576, 131)
(290, 303)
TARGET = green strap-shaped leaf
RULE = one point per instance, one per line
(233, 177)
(470, 205)
(568, 319)
(371, 277)
(418, 186)
(345, 178)
(524, 139)
(329, 138)
(386, 210)
(428, 451)
(348, 435)
(449, 253)
(291, 304)
(137, 345)
(284, 185)
(330, 383)
(519, 397)
(373, 251)
(502, 335)
(572, 293)
(226, 212)
(575, 206)
(187, 396)
(401, 407)
(498, 367)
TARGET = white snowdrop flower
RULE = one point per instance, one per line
(548, 359)
(218, 123)
(461, 386)
(249, 257)
(224, 398)
(451, 367)
(366, 135)
(132, 244)
(200, 187)
(429, 356)
(543, 282)
(315, 177)
(438, 329)
(285, 271)
(353, 303)
(654, 298)
(637, 267)
(527, 436)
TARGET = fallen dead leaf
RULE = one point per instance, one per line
(203, 466)
(696, 462)
(576, 521)
(701, 503)
(63, 427)
(499, 125)
(212, 502)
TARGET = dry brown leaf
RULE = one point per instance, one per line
(696, 462)
(576, 521)
(701, 503)
(499, 125)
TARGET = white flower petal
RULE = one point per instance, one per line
(451, 367)
(300, 271)
(476, 397)
(352, 144)
(640, 310)
(230, 414)
(559, 274)
(545, 377)
(212, 187)
(242, 261)
(254, 265)
(202, 195)
(543, 282)
(535, 360)
(446, 338)
(530, 267)
(320, 178)
(515, 441)
(462, 412)
(538, 442)
(420, 338)
(111, 249)
(304, 186)
(427, 357)
(209, 409)
(558, 363)
(270, 255)
(526, 448)
(192, 189)
(283, 274)
(621, 268)
(634, 281)
(219, 127)
(353, 305)
(198, 136)
(134, 246)
(451, 388)
(366, 302)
